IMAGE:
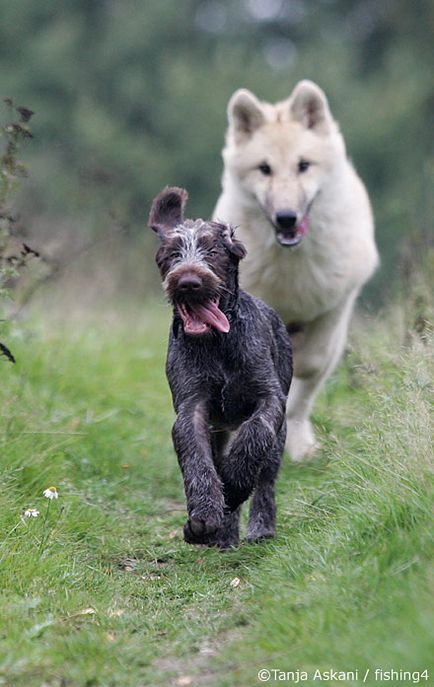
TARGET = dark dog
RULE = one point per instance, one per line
(229, 368)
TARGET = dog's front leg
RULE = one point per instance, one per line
(251, 448)
(203, 489)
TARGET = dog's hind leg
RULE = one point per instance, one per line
(262, 514)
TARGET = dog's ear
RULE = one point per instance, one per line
(245, 113)
(167, 209)
(235, 247)
(308, 105)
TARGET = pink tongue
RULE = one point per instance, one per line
(197, 318)
(304, 225)
(212, 315)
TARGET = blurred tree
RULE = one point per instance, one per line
(132, 96)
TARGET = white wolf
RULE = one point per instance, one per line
(305, 218)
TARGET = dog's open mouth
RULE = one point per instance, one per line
(292, 237)
(199, 318)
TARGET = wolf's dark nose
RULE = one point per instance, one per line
(286, 219)
(189, 282)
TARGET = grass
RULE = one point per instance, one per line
(106, 593)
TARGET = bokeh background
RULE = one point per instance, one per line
(130, 96)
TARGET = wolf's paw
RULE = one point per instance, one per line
(300, 440)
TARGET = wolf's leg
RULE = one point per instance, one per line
(262, 515)
(316, 354)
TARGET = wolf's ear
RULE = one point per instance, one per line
(167, 209)
(309, 106)
(245, 112)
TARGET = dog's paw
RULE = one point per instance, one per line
(196, 533)
(226, 544)
(255, 535)
(235, 493)
(201, 528)
(203, 522)
(234, 498)
(300, 440)
(216, 538)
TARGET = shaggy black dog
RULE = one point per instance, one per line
(229, 367)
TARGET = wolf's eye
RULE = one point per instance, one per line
(303, 166)
(265, 169)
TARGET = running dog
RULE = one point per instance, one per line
(229, 367)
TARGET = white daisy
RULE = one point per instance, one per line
(31, 513)
(51, 493)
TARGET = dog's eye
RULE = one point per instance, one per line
(265, 169)
(303, 166)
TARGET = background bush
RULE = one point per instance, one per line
(131, 96)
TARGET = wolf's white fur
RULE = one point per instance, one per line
(317, 283)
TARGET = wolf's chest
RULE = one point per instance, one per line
(299, 285)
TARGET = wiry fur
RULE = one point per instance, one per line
(229, 389)
(313, 288)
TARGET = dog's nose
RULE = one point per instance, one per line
(286, 219)
(189, 282)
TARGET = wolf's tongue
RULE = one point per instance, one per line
(212, 315)
(304, 225)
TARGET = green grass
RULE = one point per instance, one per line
(106, 593)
